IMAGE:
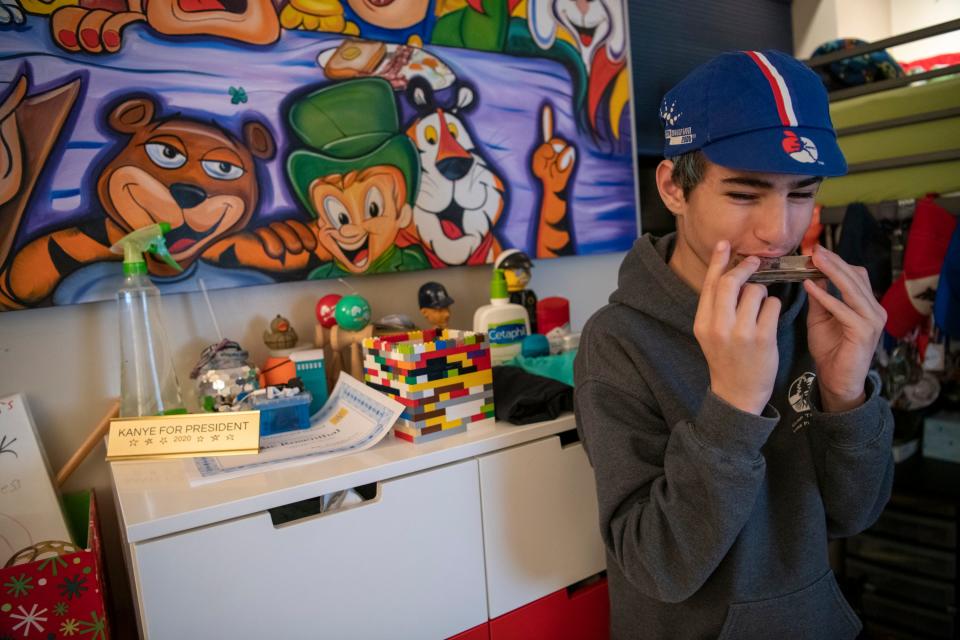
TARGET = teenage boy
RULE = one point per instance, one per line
(734, 428)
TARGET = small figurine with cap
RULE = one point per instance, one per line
(435, 304)
(516, 267)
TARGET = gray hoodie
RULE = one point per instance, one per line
(716, 521)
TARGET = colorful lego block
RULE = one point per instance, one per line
(416, 437)
(443, 379)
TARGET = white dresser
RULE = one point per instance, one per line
(455, 532)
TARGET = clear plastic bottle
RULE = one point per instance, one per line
(148, 381)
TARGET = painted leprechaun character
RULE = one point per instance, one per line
(357, 174)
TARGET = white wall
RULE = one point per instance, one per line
(817, 21)
(66, 359)
(910, 15)
(864, 19)
(814, 22)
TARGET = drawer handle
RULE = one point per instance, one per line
(569, 437)
(324, 505)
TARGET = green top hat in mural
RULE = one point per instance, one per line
(349, 126)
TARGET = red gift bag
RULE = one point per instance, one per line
(55, 589)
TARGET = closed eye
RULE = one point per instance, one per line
(803, 195)
(743, 197)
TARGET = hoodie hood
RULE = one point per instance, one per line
(646, 280)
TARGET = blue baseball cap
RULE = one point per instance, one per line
(755, 111)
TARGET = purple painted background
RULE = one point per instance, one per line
(194, 75)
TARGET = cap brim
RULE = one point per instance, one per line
(780, 150)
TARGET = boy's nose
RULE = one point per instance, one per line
(772, 225)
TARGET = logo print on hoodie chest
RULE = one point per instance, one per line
(799, 398)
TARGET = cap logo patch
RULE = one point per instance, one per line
(670, 114)
(800, 148)
(674, 136)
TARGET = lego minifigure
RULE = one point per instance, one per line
(435, 304)
(516, 267)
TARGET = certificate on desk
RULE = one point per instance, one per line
(354, 418)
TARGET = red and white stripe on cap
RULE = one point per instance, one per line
(781, 95)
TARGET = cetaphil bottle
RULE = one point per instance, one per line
(506, 324)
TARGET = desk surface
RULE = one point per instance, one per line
(155, 497)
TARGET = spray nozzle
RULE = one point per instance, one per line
(136, 243)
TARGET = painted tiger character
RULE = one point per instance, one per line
(553, 162)
(461, 198)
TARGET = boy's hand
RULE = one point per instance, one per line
(842, 334)
(736, 326)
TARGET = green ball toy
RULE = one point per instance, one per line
(352, 313)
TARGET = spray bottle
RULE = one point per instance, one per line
(148, 382)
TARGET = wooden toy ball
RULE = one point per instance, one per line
(326, 306)
(352, 313)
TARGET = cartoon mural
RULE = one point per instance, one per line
(598, 30)
(188, 173)
(278, 149)
(461, 196)
(96, 26)
(358, 175)
(29, 126)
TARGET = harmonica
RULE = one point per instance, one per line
(784, 269)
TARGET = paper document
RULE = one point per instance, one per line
(355, 418)
(30, 510)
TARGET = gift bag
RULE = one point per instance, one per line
(55, 589)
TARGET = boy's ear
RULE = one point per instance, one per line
(670, 192)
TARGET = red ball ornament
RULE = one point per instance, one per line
(326, 306)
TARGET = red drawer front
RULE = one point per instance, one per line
(581, 615)
(481, 632)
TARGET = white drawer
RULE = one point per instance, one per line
(407, 564)
(540, 522)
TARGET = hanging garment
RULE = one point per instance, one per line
(910, 299)
(863, 242)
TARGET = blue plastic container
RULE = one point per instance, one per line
(310, 370)
(283, 414)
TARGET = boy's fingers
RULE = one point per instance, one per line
(855, 289)
(748, 307)
(730, 284)
(769, 316)
(718, 264)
